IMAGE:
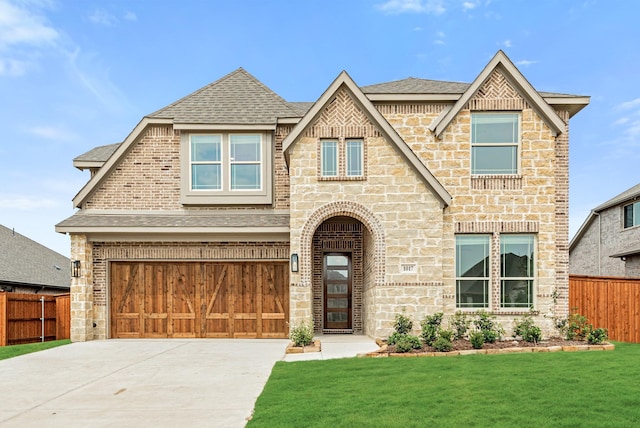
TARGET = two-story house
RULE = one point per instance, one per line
(608, 242)
(234, 213)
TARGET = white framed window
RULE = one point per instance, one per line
(514, 285)
(517, 271)
(354, 158)
(226, 168)
(473, 269)
(631, 214)
(495, 142)
(329, 158)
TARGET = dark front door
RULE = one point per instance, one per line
(337, 291)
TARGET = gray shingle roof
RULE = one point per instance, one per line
(231, 219)
(302, 107)
(97, 154)
(625, 196)
(414, 85)
(24, 261)
(238, 98)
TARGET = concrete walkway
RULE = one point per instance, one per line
(149, 383)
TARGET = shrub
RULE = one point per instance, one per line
(578, 327)
(443, 345)
(302, 334)
(487, 324)
(407, 342)
(477, 339)
(446, 334)
(597, 336)
(393, 339)
(430, 326)
(403, 324)
(527, 329)
(460, 325)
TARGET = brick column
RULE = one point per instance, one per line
(82, 290)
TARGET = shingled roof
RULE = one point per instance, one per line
(23, 261)
(414, 85)
(238, 99)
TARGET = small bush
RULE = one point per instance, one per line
(302, 334)
(443, 345)
(597, 336)
(445, 334)
(578, 327)
(477, 339)
(488, 325)
(430, 326)
(393, 339)
(407, 342)
(403, 324)
(460, 324)
(527, 329)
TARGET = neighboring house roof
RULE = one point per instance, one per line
(95, 157)
(344, 80)
(23, 261)
(628, 195)
(502, 62)
(236, 99)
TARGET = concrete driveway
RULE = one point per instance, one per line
(137, 383)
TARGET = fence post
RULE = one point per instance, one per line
(3, 319)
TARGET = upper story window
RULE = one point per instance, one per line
(495, 139)
(632, 215)
(340, 159)
(226, 168)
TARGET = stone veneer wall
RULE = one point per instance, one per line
(104, 252)
(338, 237)
(82, 311)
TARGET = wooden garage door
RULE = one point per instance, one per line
(207, 299)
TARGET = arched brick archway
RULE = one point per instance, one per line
(348, 209)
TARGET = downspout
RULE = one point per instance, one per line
(599, 240)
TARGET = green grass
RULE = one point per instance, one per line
(563, 389)
(15, 350)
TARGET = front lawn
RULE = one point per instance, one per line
(15, 350)
(593, 388)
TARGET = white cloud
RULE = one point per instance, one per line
(417, 29)
(621, 121)
(13, 67)
(19, 26)
(526, 62)
(23, 203)
(467, 5)
(130, 16)
(52, 133)
(434, 7)
(507, 43)
(628, 105)
(102, 17)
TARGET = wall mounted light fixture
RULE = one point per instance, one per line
(294, 262)
(75, 268)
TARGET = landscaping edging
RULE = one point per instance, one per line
(292, 349)
(381, 353)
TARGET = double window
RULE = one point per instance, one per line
(474, 265)
(332, 152)
(221, 168)
(631, 215)
(495, 138)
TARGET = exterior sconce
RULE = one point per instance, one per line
(75, 268)
(294, 262)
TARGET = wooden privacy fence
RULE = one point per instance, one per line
(28, 318)
(611, 303)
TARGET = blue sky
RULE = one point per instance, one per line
(78, 74)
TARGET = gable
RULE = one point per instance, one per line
(334, 104)
(497, 93)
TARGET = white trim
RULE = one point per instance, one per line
(223, 127)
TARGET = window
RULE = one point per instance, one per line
(632, 215)
(340, 158)
(329, 158)
(472, 271)
(494, 143)
(516, 271)
(516, 267)
(354, 158)
(226, 168)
